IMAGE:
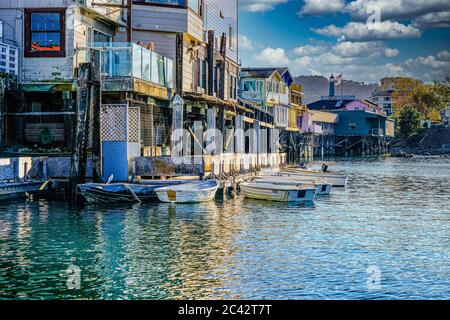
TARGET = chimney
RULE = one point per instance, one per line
(331, 94)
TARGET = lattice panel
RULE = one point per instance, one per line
(133, 125)
(114, 123)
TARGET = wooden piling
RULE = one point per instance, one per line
(95, 109)
(79, 150)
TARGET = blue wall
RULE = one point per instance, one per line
(115, 160)
(365, 122)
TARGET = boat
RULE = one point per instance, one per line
(192, 192)
(13, 190)
(123, 192)
(277, 192)
(322, 187)
(336, 179)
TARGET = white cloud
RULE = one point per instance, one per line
(431, 67)
(443, 55)
(260, 5)
(432, 20)
(308, 50)
(272, 57)
(396, 9)
(355, 31)
(245, 43)
(364, 49)
(321, 7)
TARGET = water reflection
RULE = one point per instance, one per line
(394, 215)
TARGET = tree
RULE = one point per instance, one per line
(425, 101)
(441, 90)
(403, 93)
(409, 121)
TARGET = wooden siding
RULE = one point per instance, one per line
(165, 42)
(156, 18)
(214, 21)
(45, 69)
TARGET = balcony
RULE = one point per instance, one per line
(121, 62)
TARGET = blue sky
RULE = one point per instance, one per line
(363, 39)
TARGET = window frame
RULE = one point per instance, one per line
(27, 34)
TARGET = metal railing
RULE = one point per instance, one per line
(123, 59)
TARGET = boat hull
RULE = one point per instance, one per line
(189, 193)
(322, 188)
(253, 191)
(121, 193)
(333, 179)
(16, 190)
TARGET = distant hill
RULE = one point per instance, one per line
(316, 86)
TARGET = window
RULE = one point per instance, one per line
(231, 37)
(1, 29)
(233, 85)
(352, 126)
(45, 33)
(196, 6)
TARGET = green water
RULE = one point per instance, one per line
(394, 216)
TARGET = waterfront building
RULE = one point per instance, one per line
(445, 115)
(268, 91)
(361, 126)
(55, 39)
(383, 99)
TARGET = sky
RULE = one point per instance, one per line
(365, 40)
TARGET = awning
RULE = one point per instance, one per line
(49, 87)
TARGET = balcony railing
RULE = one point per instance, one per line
(120, 59)
(9, 58)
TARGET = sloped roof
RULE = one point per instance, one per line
(319, 116)
(329, 104)
(259, 72)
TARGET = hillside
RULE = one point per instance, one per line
(316, 86)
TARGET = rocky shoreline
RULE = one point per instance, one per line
(413, 152)
(432, 142)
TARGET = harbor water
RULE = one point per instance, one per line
(386, 236)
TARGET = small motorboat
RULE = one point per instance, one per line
(12, 190)
(123, 192)
(322, 187)
(334, 178)
(277, 192)
(192, 192)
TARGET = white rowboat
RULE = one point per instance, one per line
(280, 193)
(333, 178)
(195, 192)
(322, 188)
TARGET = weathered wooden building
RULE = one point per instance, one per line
(47, 34)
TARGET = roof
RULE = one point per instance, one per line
(259, 72)
(329, 104)
(286, 74)
(367, 114)
(319, 116)
(383, 93)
